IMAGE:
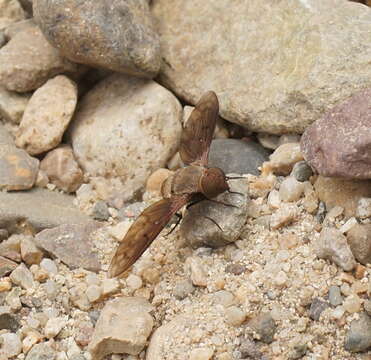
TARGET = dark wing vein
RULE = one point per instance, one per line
(198, 131)
(143, 231)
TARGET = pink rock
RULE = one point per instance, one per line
(339, 144)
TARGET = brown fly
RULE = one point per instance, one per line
(187, 185)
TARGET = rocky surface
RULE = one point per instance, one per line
(47, 115)
(345, 150)
(12, 105)
(282, 96)
(10, 12)
(141, 122)
(28, 61)
(121, 30)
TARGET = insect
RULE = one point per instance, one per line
(188, 185)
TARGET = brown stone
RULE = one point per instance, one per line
(339, 144)
(341, 192)
(113, 34)
(62, 169)
(6, 266)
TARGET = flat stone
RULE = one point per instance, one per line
(237, 156)
(11, 345)
(72, 244)
(28, 61)
(29, 252)
(47, 115)
(334, 296)
(123, 327)
(340, 192)
(339, 144)
(140, 120)
(62, 169)
(200, 231)
(122, 30)
(333, 245)
(22, 276)
(12, 105)
(359, 240)
(40, 208)
(6, 266)
(358, 337)
(18, 170)
(253, 67)
(7, 320)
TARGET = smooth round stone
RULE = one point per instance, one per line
(237, 156)
(301, 171)
(291, 190)
(235, 316)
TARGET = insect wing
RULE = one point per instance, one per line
(142, 232)
(198, 131)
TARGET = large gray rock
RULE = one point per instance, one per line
(339, 144)
(358, 337)
(113, 34)
(275, 65)
(125, 129)
(237, 156)
(213, 224)
(40, 208)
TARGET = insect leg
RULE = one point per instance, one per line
(222, 203)
(234, 192)
(212, 220)
(176, 224)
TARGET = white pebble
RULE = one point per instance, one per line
(134, 282)
(49, 266)
(93, 292)
(54, 326)
(235, 316)
(11, 345)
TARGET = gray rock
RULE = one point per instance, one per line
(359, 241)
(42, 351)
(12, 105)
(298, 351)
(235, 269)
(316, 308)
(333, 245)
(358, 337)
(39, 208)
(128, 332)
(100, 211)
(183, 288)
(5, 137)
(22, 276)
(72, 244)
(334, 296)
(213, 224)
(301, 171)
(122, 30)
(141, 122)
(339, 144)
(253, 67)
(18, 170)
(265, 326)
(237, 156)
(28, 60)
(7, 320)
(250, 350)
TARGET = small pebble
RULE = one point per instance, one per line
(283, 216)
(316, 308)
(51, 289)
(249, 350)
(265, 326)
(93, 292)
(151, 275)
(301, 171)
(334, 295)
(49, 266)
(29, 252)
(11, 345)
(363, 210)
(110, 287)
(201, 354)
(100, 211)
(352, 304)
(291, 190)
(134, 282)
(223, 297)
(235, 316)
(197, 272)
(22, 276)
(183, 288)
(53, 327)
(358, 337)
(235, 269)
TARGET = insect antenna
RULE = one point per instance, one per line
(234, 177)
(223, 203)
(234, 192)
